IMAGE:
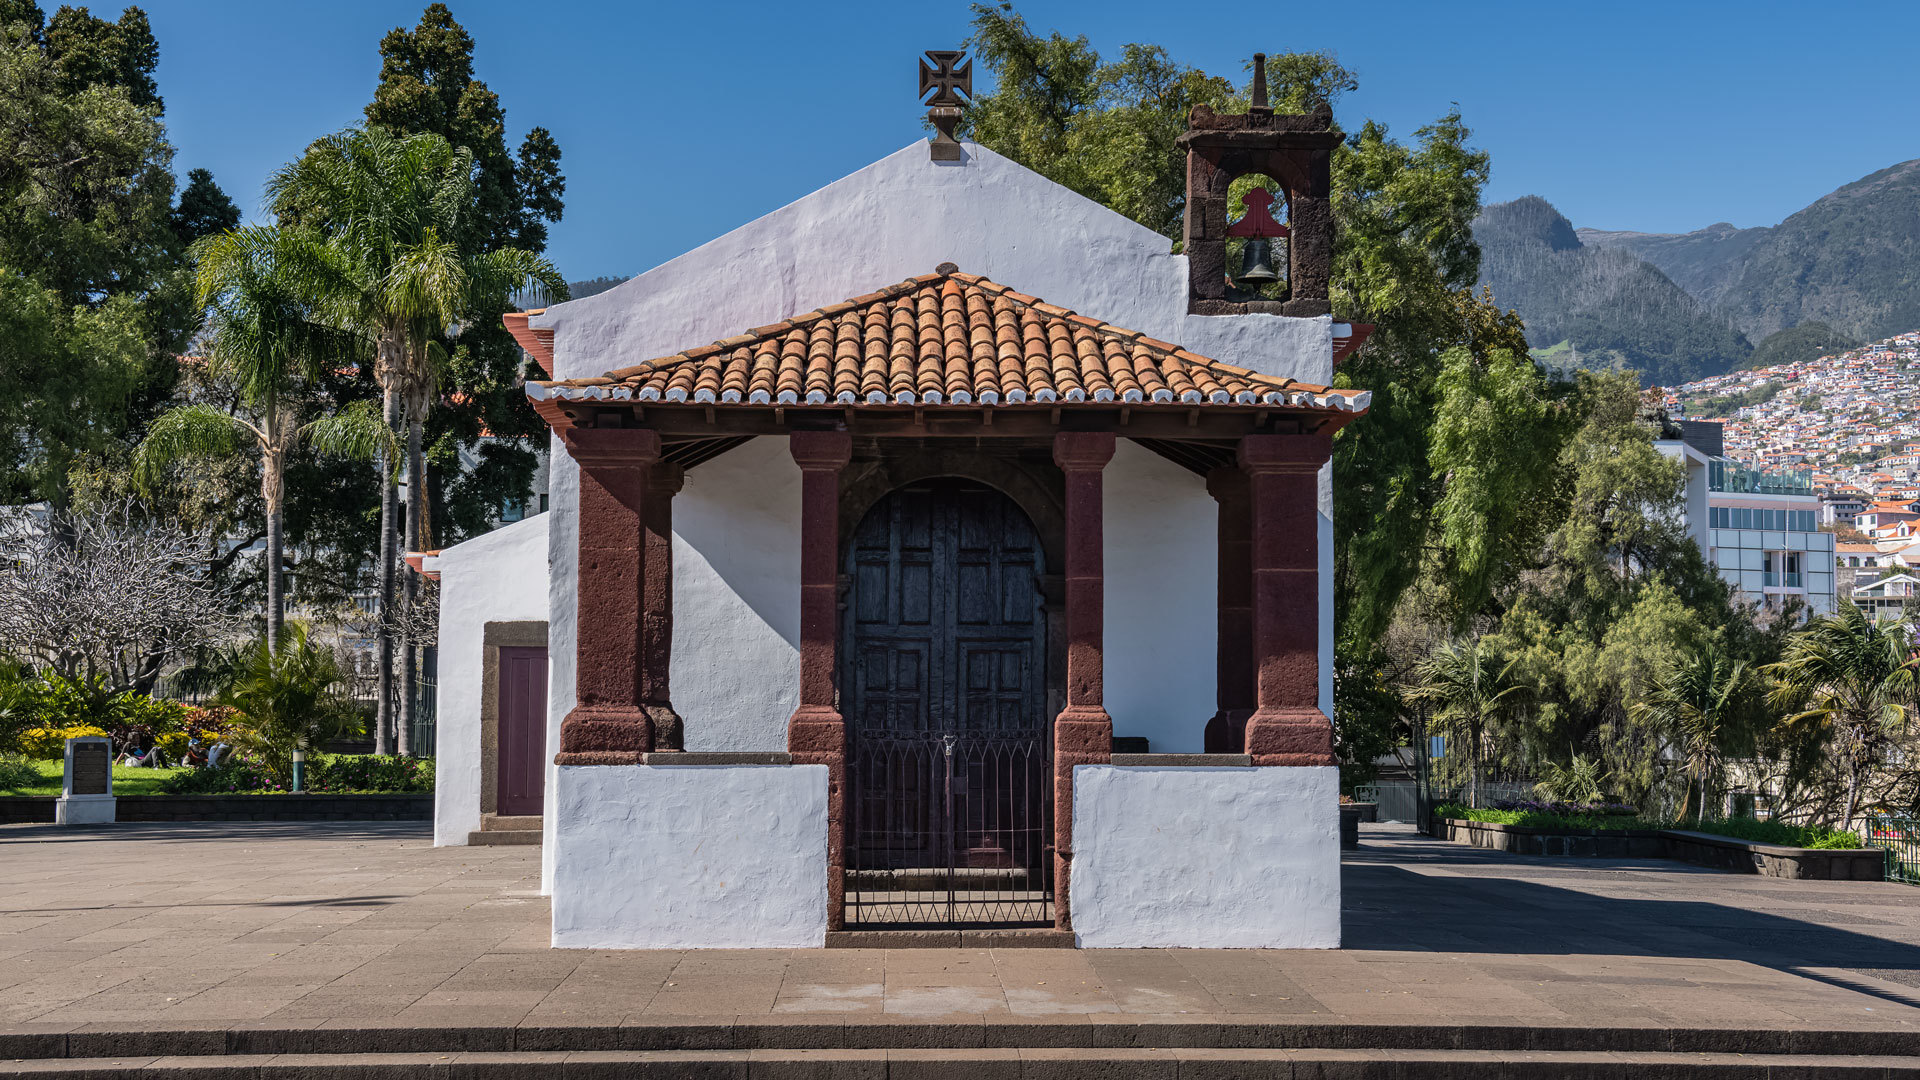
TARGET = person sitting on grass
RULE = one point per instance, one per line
(148, 759)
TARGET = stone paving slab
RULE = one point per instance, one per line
(316, 927)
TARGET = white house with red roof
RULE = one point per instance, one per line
(939, 551)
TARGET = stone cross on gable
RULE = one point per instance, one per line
(951, 81)
(952, 85)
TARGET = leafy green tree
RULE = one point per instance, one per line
(95, 288)
(1850, 677)
(1472, 693)
(427, 86)
(203, 210)
(393, 210)
(271, 338)
(1698, 701)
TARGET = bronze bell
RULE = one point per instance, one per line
(1256, 264)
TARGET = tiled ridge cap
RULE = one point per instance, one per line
(914, 284)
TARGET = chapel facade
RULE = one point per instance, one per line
(942, 552)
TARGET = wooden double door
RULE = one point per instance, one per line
(944, 690)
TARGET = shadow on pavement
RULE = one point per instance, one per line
(1488, 906)
(201, 831)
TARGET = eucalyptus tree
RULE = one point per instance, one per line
(405, 262)
(1698, 701)
(270, 337)
(1850, 677)
(1471, 693)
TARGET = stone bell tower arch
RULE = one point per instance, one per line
(1296, 151)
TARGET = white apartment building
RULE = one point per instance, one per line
(1759, 528)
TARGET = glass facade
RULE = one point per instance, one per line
(1745, 517)
(1733, 477)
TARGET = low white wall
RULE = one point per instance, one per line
(499, 576)
(736, 599)
(1162, 581)
(685, 857)
(1206, 857)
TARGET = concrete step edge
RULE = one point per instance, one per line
(507, 838)
(511, 823)
(839, 1032)
(1112, 1064)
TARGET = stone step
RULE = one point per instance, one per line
(515, 838)
(876, 1032)
(511, 823)
(991, 1064)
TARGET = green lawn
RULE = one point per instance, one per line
(127, 779)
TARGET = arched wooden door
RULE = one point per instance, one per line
(944, 690)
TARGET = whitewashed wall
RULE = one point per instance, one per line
(499, 576)
(736, 599)
(1162, 571)
(900, 216)
(691, 857)
(1206, 858)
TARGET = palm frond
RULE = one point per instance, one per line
(190, 431)
(357, 432)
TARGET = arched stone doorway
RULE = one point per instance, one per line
(943, 685)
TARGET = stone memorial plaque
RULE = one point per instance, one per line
(92, 769)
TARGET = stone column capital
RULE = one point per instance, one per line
(819, 450)
(1260, 454)
(597, 448)
(1083, 451)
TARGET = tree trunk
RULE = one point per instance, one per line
(276, 583)
(273, 467)
(409, 652)
(389, 556)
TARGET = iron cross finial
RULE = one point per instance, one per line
(951, 81)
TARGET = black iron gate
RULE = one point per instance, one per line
(950, 818)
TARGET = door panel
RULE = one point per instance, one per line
(944, 691)
(522, 735)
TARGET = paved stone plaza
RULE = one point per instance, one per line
(302, 926)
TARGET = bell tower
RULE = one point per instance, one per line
(1296, 151)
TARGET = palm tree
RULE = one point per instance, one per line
(396, 211)
(1698, 698)
(1471, 693)
(288, 698)
(1853, 677)
(268, 341)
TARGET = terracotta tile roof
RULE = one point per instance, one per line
(946, 339)
(537, 341)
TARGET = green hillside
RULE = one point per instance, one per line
(1610, 307)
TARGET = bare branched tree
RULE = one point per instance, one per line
(106, 595)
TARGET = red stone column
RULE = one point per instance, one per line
(1233, 670)
(608, 724)
(656, 608)
(1287, 726)
(817, 734)
(1083, 732)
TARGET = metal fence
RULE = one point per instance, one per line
(1399, 800)
(1901, 838)
(426, 702)
(950, 830)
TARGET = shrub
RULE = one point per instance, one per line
(287, 698)
(17, 772)
(1749, 829)
(51, 742)
(369, 772)
(237, 774)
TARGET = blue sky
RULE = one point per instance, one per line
(680, 121)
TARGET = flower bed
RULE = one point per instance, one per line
(1809, 852)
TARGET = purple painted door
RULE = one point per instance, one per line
(523, 731)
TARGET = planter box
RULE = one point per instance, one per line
(1567, 843)
(1702, 849)
(408, 806)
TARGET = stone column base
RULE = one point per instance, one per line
(84, 810)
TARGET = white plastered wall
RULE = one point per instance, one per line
(1162, 584)
(690, 857)
(1206, 858)
(898, 217)
(499, 576)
